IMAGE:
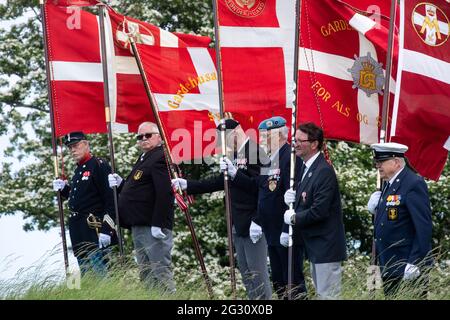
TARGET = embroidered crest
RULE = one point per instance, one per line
(429, 22)
(367, 75)
(246, 8)
(392, 214)
(138, 174)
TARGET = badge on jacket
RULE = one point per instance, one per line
(304, 196)
(138, 174)
(392, 214)
(274, 177)
(272, 185)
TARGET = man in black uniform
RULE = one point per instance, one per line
(248, 238)
(91, 204)
(146, 205)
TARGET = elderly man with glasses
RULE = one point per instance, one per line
(146, 205)
(402, 219)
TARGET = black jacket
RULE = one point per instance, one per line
(243, 204)
(146, 197)
(318, 219)
(89, 192)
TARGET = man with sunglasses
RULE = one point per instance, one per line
(146, 206)
(317, 215)
(248, 237)
(402, 218)
(91, 204)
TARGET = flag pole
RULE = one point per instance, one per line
(298, 4)
(387, 79)
(374, 271)
(108, 119)
(165, 145)
(54, 145)
(223, 143)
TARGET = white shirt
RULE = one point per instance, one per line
(395, 176)
(309, 163)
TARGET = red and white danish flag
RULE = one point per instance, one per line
(421, 116)
(257, 49)
(77, 77)
(341, 70)
(74, 3)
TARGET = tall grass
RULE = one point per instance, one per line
(122, 282)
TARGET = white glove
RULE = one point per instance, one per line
(58, 184)
(284, 239)
(157, 233)
(289, 197)
(411, 272)
(226, 164)
(114, 180)
(104, 240)
(373, 202)
(179, 183)
(255, 232)
(287, 216)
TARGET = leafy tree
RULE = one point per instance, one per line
(24, 118)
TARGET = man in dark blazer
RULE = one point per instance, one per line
(317, 214)
(248, 237)
(402, 218)
(146, 205)
(270, 186)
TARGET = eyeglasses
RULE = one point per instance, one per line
(301, 141)
(147, 135)
(380, 161)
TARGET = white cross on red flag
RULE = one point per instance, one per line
(421, 116)
(341, 70)
(257, 49)
(77, 78)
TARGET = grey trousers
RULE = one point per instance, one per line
(252, 263)
(327, 279)
(154, 257)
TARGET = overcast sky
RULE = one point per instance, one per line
(20, 251)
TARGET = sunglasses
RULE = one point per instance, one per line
(148, 135)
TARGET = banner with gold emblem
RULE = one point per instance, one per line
(421, 114)
(342, 68)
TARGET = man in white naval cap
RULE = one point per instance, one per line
(402, 221)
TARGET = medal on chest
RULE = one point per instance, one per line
(241, 163)
(274, 177)
(86, 175)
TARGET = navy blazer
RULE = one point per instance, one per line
(403, 224)
(270, 187)
(318, 218)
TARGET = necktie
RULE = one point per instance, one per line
(385, 187)
(304, 173)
